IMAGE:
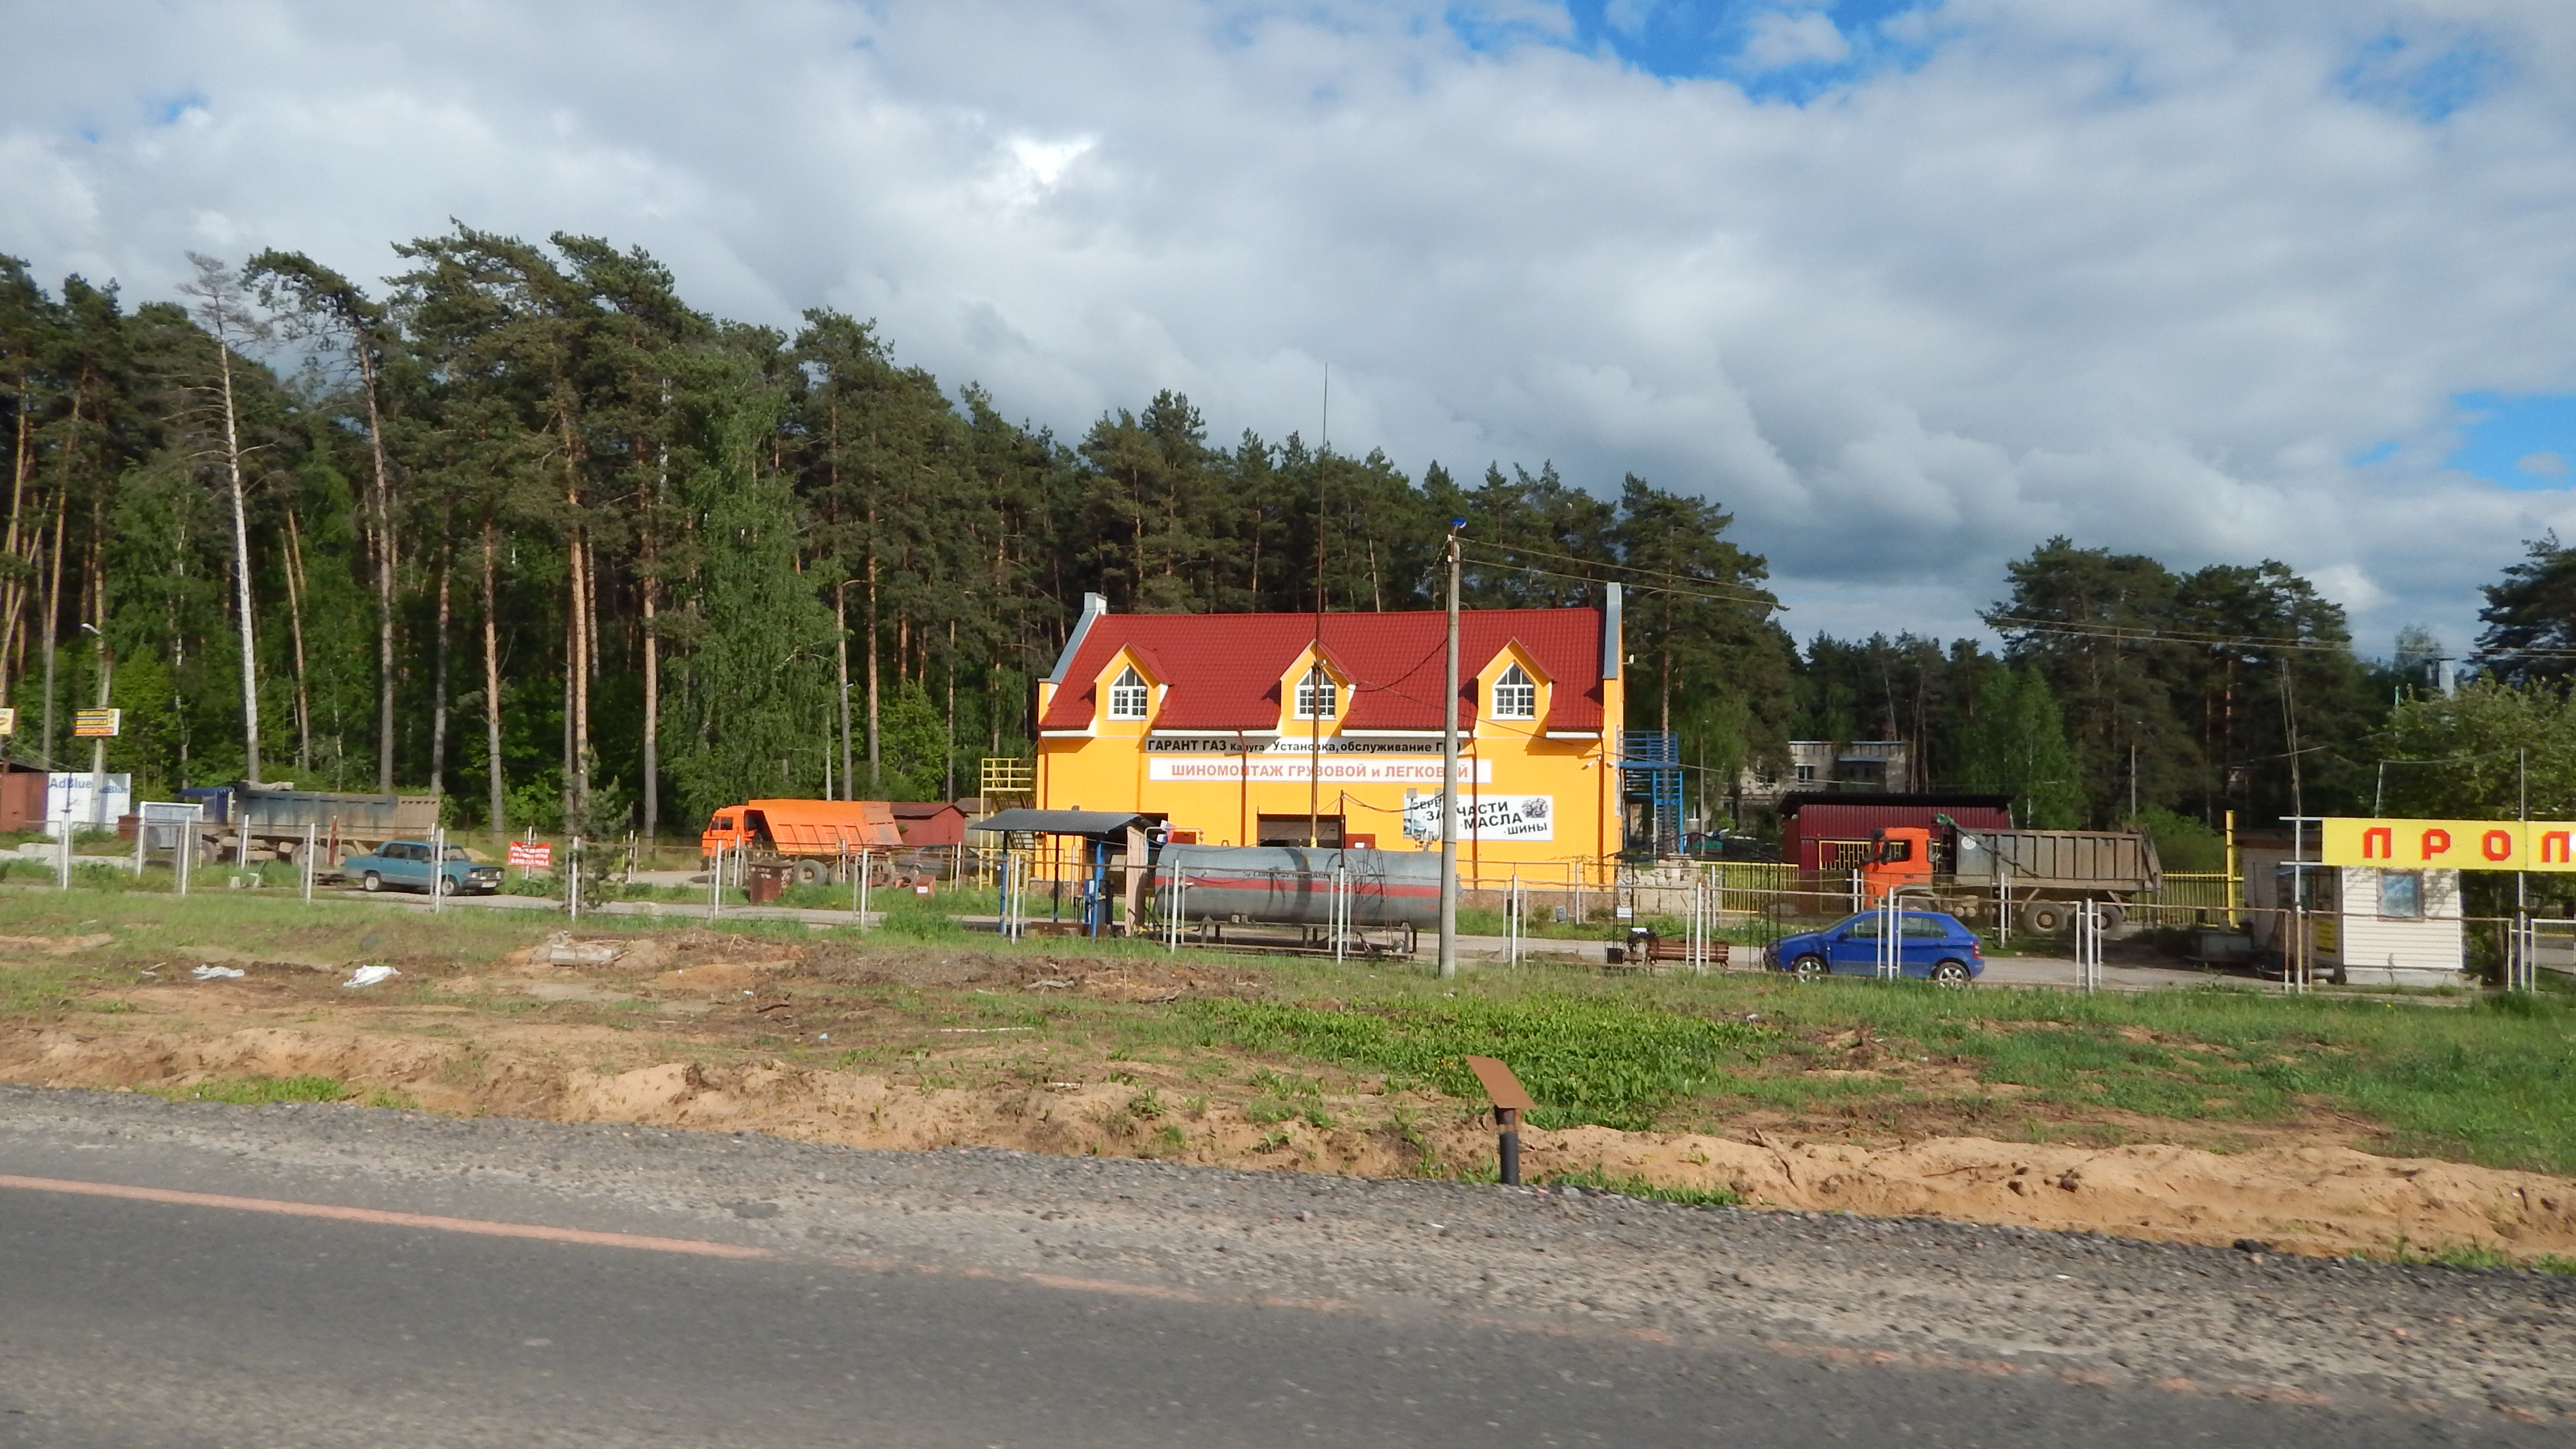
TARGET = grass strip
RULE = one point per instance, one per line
(1584, 1059)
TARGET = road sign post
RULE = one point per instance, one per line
(1510, 1100)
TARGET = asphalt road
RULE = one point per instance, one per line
(886, 1300)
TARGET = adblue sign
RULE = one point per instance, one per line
(2533, 845)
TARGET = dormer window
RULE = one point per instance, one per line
(1316, 695)
(1128, 696)
(1515, 695)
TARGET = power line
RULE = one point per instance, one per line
(1735, 594)
(2133, 634)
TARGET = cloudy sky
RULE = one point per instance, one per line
(1908, 286)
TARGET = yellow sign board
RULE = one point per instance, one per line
(98, 723)
(8, 721)
(2533, 845)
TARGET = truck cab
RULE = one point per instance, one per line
(1899, 856)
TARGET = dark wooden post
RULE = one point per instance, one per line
(1510, 1100)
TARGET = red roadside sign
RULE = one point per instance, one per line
(536, 854)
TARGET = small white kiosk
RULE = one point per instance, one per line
(2371, 926)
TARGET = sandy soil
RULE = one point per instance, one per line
(669, 1045)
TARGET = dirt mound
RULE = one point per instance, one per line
(2303, 1199)
(49, 945)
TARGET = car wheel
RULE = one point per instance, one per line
(1810, 968)
(447, 885)
(1953, 974)
(371, 882)
(2045, 918)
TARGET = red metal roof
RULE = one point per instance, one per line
(1225, 670)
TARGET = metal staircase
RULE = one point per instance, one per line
(1650, 773)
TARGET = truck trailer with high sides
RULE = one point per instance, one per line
(2033, 878)
(268, 822)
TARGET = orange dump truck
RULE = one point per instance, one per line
(814, 836)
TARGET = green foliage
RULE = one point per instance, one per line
(255, 1091)
(2192, 685)
(1597, 1180)
(2472, 755)
(2017, 747)
(2184, 844)
(910, 919)
(1583, 1059)
(758, 685)
(2530, 616)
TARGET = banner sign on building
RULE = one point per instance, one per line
(535, 855)
(2532, 845)
(1298, 769)
(1490, 817)
(8, 721)
(97, 723)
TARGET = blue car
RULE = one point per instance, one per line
(411, 865)
(1933, 947)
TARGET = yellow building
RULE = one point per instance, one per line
(1238, 729)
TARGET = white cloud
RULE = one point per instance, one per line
(2542, 465)
(2147, 273)
(1783, 38)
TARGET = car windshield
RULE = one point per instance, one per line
(457, 852)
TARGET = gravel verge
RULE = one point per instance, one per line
(2436, 1341)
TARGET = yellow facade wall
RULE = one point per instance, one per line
(1219, 787)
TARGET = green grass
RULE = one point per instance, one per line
(1594, 1179)
(255, 1091)
(1583, 1059)
(2493, 1082)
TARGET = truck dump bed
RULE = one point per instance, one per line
(822, 827)
(2112, 860)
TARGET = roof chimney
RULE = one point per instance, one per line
(1093, 606)
(1611, 648)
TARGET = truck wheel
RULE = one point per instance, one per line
(2044, 918)
(810, 872)
(1810, 968)
(1953, 974)
(2113, 916)
(371, 882)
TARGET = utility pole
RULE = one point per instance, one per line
(1322, 683)
(1449, 777)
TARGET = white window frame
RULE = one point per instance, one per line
(1315, 688)
(1130, 697)
(1515, 694)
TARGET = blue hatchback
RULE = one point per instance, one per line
(1932, 947)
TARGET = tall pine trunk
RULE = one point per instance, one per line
(876, 760)
(381, 500)
(295, 627)
(54, 612)
(841, 650)
(13, 590)
(492, 691)
(438, 674)
(241, 564)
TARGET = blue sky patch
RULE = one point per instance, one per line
(1789, 50)
(2426, 79)
(2520, 442)
(166, 110)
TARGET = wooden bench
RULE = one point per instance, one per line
(1664, 950)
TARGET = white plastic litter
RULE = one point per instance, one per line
(216, 973)
(370, 975)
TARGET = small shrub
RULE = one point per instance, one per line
(1595, 1180)
(255, 1091)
